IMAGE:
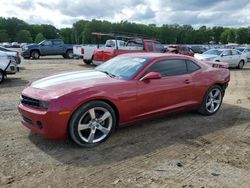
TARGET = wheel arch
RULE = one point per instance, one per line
(35, 50)
(109, 102)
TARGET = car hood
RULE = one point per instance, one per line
(62, 84)
(205, 56)
(32, 45)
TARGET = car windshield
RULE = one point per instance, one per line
(240, 49)
(123, 67)
(213, 52)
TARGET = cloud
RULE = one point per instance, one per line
(63, 13)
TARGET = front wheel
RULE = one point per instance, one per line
(212, 101)
(35, 55)
(1, 76)
(92, 123)
(240, 65)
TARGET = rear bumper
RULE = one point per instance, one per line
(46, 123)
(97, 62)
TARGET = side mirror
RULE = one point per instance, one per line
(222, 55)
(150, 76)
(42, 44)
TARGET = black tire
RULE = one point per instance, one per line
(88, 62)
(205, 108)
(2, 76)
(35, 54)
(241, 64)
(69, 54)
(64, 56)
(82, 116)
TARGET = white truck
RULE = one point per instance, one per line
(8, 65)
(86, 52)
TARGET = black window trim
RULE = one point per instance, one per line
(144, 72)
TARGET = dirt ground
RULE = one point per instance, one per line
(184, 150)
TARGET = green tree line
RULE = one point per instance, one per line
(14, 29)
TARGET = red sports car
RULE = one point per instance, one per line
(89, 105)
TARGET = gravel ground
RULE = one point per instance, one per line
(184, 150)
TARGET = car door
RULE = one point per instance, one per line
(173, 90)
(236, 57)
(46, 48)
(227, 57)
(57, 47)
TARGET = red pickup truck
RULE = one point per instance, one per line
(132, 46)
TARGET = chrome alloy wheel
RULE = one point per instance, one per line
(214, 100)
(95, 125)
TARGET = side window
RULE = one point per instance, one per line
(234, 52)
(168, 67)
(150, 46)
(57, 42)
(191, 66)
(159, 47)
(47, 43)
(227, 53)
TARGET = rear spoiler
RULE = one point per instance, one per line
(216, 64)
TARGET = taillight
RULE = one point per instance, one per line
(82, 50)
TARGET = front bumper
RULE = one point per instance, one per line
(25, 53)
(49, 124)
(97, 62)
(12, 68)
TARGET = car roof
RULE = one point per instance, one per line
(154, 55)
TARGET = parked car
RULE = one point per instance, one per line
(180, 49)
(198, 49)
(7, 66)
(15, 45)
(47, 48)
(14, 54)
(6, 45)
(88, 105)
(246, 51)
(87, 52)
(131, 46)
(233, 57)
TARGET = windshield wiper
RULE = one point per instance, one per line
(109, 74)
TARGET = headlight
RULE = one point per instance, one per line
(44, 104)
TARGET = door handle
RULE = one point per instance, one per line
(187, 81)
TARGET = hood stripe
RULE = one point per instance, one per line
(66, 77)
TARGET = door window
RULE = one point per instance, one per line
(150, 46)
(227, 53)
(169, 67)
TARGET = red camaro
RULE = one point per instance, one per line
(88, 105)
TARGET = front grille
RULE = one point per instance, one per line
(30, 101)
(27, 120)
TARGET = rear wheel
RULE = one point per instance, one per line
(92, 123)
(88, 62)
(212, 101)
(69, 54)
(35, 55)
(1, 76)
(240, 65)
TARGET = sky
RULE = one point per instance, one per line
(63, 13)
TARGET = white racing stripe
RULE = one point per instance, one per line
(67, 77)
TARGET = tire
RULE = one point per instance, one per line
(96, 119)
(212, 101)
(35, 55)
(2, 76)
(64, 56)
(241, 64)
(88, 62)
(69, 54)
